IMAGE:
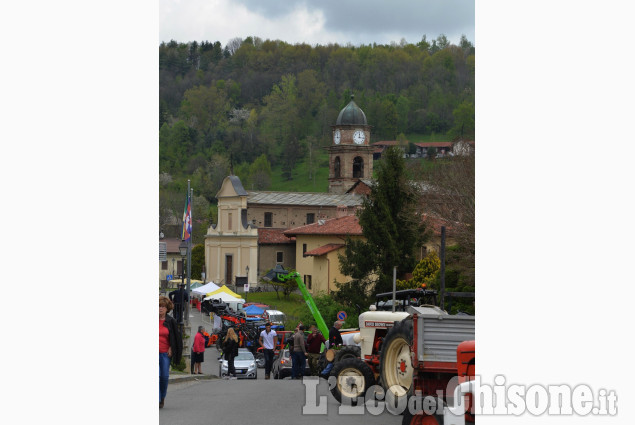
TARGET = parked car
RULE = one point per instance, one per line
(244, 363)
(282, 366)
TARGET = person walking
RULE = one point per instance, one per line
(179, 297)
(335, 340)
(268, 341)
(198, 351)
(230, 351)
(314, 345)
(170, 346)
(298, 357)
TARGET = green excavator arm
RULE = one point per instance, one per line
(308, 299)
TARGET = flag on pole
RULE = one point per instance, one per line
(187, 220)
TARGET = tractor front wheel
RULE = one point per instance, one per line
(353, 377)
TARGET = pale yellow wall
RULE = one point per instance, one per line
(163, 273)
(323, 269)
(243, 249)
(267, 257)
(230, 239)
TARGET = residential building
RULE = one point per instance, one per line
(317, 247)
(172, 262)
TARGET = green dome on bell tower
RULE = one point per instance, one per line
(351, 115)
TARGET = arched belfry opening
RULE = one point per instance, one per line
(336, 167)
(358, 167)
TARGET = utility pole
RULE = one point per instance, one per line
(442, 271)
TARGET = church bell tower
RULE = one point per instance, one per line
(350, 154)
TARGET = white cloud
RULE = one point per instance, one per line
(330, 21)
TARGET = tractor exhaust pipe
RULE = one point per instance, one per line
(394, 287)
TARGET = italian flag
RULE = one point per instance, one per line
(187, 220)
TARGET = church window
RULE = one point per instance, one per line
(336, 167)
(358, 167)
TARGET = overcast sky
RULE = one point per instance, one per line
(316, 22)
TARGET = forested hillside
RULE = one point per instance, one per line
(269, 105)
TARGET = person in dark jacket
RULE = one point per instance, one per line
(179, 297)
(335, 340)
(298, 353)
(230, 350)
(170, 346)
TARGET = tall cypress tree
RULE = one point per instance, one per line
(393, 231)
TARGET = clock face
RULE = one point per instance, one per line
(359, 137)
(336, 137)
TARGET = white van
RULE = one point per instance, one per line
(276, 317)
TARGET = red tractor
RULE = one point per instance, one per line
(415, 353)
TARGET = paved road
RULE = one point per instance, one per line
(248, 401)
(259, 401)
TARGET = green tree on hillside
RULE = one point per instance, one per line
(281, 123)
(255, 176)
(463, 121)
(393, 231)
(205, 109)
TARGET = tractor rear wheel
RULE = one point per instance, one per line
(396, 368)
(353, 377)
(347, 352)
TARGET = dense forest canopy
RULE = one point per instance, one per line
(262, 105)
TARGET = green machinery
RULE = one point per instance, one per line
(278, 274)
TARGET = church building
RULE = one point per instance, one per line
(251, 234)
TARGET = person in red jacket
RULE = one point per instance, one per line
(170, 346)
(314, 345)
(198, 351)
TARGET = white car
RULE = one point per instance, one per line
(244, 363)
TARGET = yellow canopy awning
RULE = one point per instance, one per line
(224, 289)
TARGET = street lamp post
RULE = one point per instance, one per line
(185, 331)
(183, 252)
(247, 274)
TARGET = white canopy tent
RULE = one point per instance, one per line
(205, 289)
(234, 303)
